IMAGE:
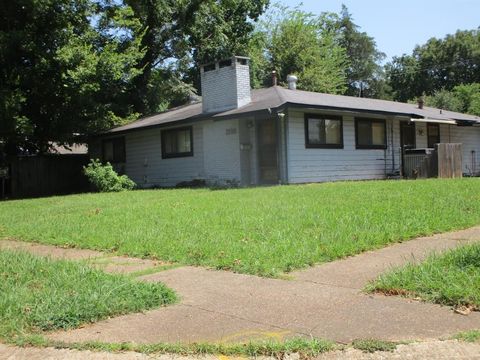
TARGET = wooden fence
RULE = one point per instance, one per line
(449, 160)
(443, 162)
(44, 175)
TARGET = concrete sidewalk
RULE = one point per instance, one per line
(324, 301)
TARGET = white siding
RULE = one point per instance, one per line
(222, 151)
(145, 166)
(315, 165)
(312, 165)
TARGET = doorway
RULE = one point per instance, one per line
(407, 135)
(267, 151)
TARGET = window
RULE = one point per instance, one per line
(323, 131)
(433, 134)
(177, 143)
(114, 150)
(370, 134)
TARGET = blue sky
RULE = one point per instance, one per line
(399, 25)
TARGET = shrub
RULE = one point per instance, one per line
(105, 179)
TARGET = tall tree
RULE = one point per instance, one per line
(438, 64)
(292, 41)
(462, 98)
(60, 73)
(179, 35)
(364, 73)
(82, 66)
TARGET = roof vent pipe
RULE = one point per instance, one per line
(292, 82)
(274, 78)
(421, 102)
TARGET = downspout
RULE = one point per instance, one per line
(285, 122)
(393, 146)
(283, 133)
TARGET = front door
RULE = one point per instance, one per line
(267, 151)
(407, 135)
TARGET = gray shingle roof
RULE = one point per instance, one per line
(276, 97)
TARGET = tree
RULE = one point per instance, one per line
(60, 73)
(82, 66)
(463, 98)
(291, 41)
(365, 76)
(181, 34)
(438, 64)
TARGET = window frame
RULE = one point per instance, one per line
(371, 147)
(428, 134)
(123, 157)
(309, 145)
(165, 133)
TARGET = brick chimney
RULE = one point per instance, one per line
(225, 84)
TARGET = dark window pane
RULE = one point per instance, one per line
(177, 142)
(324, 131)
(433, 133)
(119, 150)
(114, 150)
(364, 134)
(370, 134)
(108, 151)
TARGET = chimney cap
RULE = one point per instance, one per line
(292, 82)
(243, 60)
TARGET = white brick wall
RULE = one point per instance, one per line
(225, 88)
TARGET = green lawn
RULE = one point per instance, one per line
(452, 278)
(266, 231)
(39, 294)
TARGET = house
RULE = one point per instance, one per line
(278, 135)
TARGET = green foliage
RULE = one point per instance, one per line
(178, 35)
(65, 67)
(468, 336)
(438, 64)
(463, 98)
(373, 345)
(364, 73)
(82, 66)
(265, 231)
(292, 41)
(105, 179)
(452, 278)
(305, 348)
(328, 53)
(40, 294)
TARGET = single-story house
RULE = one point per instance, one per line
(278, 135)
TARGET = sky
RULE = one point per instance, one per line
(398, 25)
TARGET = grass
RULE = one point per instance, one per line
(468, 336)
(305, 347)
(373, 345)
(451, 278)
(39, 294)
(265, 231)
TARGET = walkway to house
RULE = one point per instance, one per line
(325, 301)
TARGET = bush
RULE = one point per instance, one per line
(105, 179)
